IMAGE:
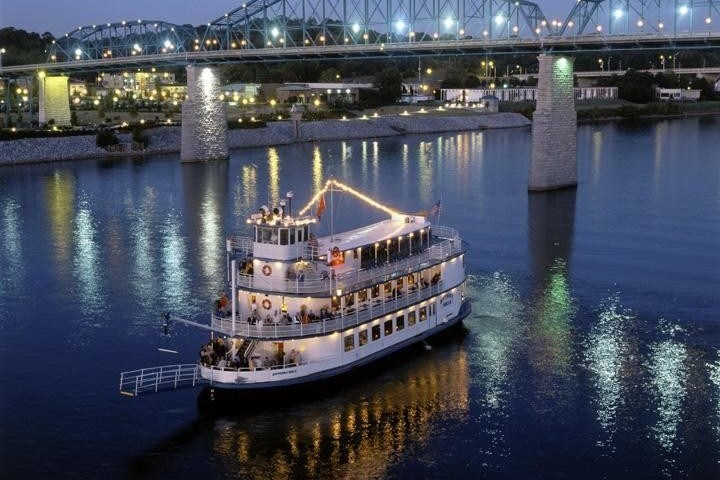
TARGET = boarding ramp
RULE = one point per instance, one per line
(160, 379)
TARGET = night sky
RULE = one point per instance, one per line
(59, 17)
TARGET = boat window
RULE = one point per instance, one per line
(375, 291)
(375, 332)
(388, 327)
(283, 236)
(305, 232)
(300, 235)
(349, 342)
(362, 295)
(292, 236)
(400, 283)
(399, 323)
(423, 314)
(388, 288)
(432, 309)
(363, 337)
(411, 318)
(349, 299)
(265, 235)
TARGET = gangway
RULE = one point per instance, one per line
(157, 379)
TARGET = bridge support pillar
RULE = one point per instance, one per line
(554, 130)
(204, 117)
(54, 100)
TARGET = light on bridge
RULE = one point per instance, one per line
(449, 22)
(640, 23)
(400, 26)
(684, 10)
(355, 28)
(618, 13)
(499, 19)
(275, 32)
(708, 20)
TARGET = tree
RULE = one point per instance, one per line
(329, 75)
(472, 81)
(389, 84)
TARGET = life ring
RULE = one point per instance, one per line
(266, 303)
(267, 270)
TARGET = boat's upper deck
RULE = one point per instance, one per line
(439, 244)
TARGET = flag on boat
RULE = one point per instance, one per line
(435, 209)
(320, 207)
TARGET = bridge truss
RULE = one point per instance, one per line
(316, 23)
(257, 28)
(121, 39)
(662, 17)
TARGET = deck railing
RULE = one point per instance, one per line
(155, 379)
(349, 318)
(448, 245)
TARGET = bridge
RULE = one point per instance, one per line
(281, 30)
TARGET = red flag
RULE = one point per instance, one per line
(320, 207)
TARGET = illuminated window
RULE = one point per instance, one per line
(399, 323)
(411, 318)
(388, 327)
(423, 314)
(349, 342)
(363, 337)
(375, 332)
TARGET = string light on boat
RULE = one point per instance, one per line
(347, 189)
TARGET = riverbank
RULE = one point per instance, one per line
(167, 139)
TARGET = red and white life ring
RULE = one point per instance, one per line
(267, 270)
(266, 304)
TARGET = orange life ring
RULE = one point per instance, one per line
(266, 304)
(267, 270)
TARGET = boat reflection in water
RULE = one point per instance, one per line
(358, 433)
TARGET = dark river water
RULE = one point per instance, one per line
(592, 350)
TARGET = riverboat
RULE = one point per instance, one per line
(307, 308)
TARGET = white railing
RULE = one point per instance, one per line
(356, 279)
(155, 379)
(350, 317)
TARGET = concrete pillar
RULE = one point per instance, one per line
(554, 148)
(54, 100)
(204, 117)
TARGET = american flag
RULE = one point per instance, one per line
(435, 209)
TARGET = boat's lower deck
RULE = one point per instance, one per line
(355, 347)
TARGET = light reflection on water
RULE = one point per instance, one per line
(714, 374)
(497, 325)
(607, 354)
(143, 251)
(88, 263)
(174, 281)
(668, 382)
(59, 191)
(11, 251)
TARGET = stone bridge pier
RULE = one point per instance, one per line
(554, 130)
(204, 117)
(54, 101)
